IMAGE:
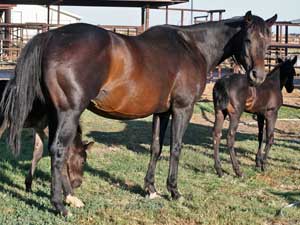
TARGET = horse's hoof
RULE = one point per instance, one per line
(240, 174)
(220, 172)
(73, 201)
(175, 195)
(154, 195)
(69, 214)
(263, 166)
(65, 213)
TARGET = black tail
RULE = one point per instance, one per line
(19, 94)
(220, 95)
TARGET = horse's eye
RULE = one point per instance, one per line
(248, 41)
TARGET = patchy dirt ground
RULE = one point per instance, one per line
(292, 99)
(289, 129)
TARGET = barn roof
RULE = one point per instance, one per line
(112, 3)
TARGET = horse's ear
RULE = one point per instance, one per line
(88, 146)
(294, 60)
(271, 20)
(248, 17)
(279, 60)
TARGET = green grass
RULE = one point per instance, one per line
(113, 186)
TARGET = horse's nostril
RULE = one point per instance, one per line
(76, 183)
(254, 74)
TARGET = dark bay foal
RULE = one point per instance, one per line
(76, 153)
(232, 95)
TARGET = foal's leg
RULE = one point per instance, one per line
(62, 131)
(271, 118)
(180, 119)
(234, 121)
(217, 134)
(37, 155)
(260, 122)
(159, 126)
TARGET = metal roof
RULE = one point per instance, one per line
(111, 3)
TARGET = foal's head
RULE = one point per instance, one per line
(287, 73)
(253, 40)
(76, 160)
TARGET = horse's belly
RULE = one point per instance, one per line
(121, 103)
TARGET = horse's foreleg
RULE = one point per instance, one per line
(234, 121)
(3, 125)
(37, 155)
(159, 126)
(62, 131)
(260, 122)
(271, 118)
(217, 134)
(70, 198)
(180, 120)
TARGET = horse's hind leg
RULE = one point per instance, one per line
(217, 134)
(62, 131)
(260, 122)
(234, 121)
(180, 119)
(37, 155)
(159, 126)
(271, 118)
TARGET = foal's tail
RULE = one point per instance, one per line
(220, 95)
(20, 92)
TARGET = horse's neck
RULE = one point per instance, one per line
(213, 41)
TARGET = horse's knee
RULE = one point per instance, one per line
(176, 151)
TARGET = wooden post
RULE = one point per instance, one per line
(48, 16)
(147, 17)
(7, 34)
(182, 17)
(286, 39)
(277, 40)
(167, 14)
(58, 14)
(143, 19)
(192, 10)
(280, 33)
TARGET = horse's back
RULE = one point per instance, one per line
(125, 77)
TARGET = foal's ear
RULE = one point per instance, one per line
(294, 60)
(279, 60)
(248, 17)
(271, 20)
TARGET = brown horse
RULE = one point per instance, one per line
(73, 172)
(233, 95)
(161, 72)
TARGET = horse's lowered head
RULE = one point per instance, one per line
(76, 160)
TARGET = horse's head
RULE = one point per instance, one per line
(287, 73)
(76, 160)
(254, 39)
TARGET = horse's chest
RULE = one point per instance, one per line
(251, 99)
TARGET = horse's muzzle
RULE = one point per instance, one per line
(256, 78)
(76, 183)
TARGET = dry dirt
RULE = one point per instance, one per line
(292, 99)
